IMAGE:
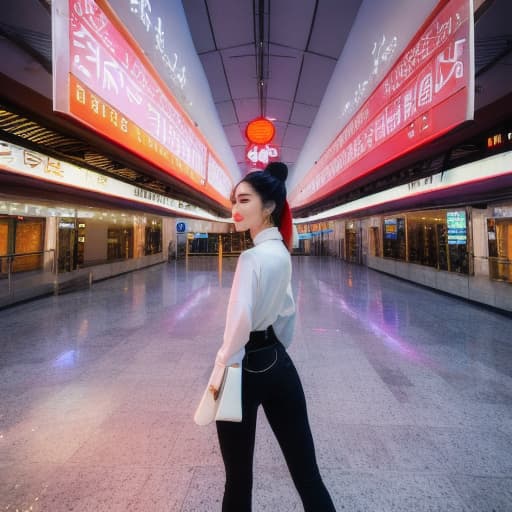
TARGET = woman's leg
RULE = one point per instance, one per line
(285, 408)
(237, 448)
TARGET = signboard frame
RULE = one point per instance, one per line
(103, 79)
(428, 92)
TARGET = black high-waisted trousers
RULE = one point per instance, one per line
(269, 378)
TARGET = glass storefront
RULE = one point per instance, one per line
(119, 243)
(393, 244)
(153, 237)
(68, 245)
(23, 237)
(499, 236)
(434, 238)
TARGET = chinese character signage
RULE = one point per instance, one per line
(428, 92)
(30, 163)
(103, 79)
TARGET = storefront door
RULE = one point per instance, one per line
(68, 245)
(352, 246)
(499, 232)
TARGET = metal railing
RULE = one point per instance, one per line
(26, 269)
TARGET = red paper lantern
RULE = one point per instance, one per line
(260, 131)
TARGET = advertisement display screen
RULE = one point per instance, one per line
(390, 229)
(104, 80)
(457, 229)
(426, 93)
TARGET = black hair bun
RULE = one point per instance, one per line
(277, 169)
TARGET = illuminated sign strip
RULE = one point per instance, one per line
(102, 79)
(488, 168)
(36, 165)
(426, 93)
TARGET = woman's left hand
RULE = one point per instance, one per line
(214, 391)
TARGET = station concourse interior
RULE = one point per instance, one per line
(124, 127)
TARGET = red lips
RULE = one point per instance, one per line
(237, 217)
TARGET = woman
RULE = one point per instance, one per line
(259, 325)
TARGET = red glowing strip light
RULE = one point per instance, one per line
(103, 79)
(428, 92)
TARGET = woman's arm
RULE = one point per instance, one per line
(238, 317)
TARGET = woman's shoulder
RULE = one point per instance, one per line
(248, 257)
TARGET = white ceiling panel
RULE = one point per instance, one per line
(289, 154)
(316, 73)
(280, 131)
(234, 135)
(232, 22)
(303, 115)
(212, 65)
(247, 109)
(240, 66)
(278, 109)
(199, 26)
(283, 72)
(295, 136)
(290, 22)
(227, 112)
(332, 16)
(239, 152)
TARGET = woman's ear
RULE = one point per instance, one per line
(269, 207)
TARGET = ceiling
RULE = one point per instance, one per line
(269, 59)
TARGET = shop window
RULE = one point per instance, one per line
(394, 238)
(24, 237)
(4, 245)
(71, 243)
(119, 243)
(352, 245)
(499, 235)
(423, 241)
(374, 242)
(438, 239)
(153, 238)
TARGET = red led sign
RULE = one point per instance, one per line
(427, 92)
(260, 131)
(103, 79)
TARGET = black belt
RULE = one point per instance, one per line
(261, 339)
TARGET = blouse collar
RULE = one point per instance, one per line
(267, 234)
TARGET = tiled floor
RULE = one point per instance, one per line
(409, 394)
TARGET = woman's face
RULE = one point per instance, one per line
(247, 209)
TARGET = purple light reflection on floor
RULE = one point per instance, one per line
(379, 329)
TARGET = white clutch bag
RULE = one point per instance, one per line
(228, 406)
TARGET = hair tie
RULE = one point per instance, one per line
(286, 226)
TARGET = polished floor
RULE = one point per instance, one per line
(409, 395)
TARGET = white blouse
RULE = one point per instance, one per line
(261, 296)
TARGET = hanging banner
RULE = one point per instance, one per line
(103, 79)
(428, 92)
